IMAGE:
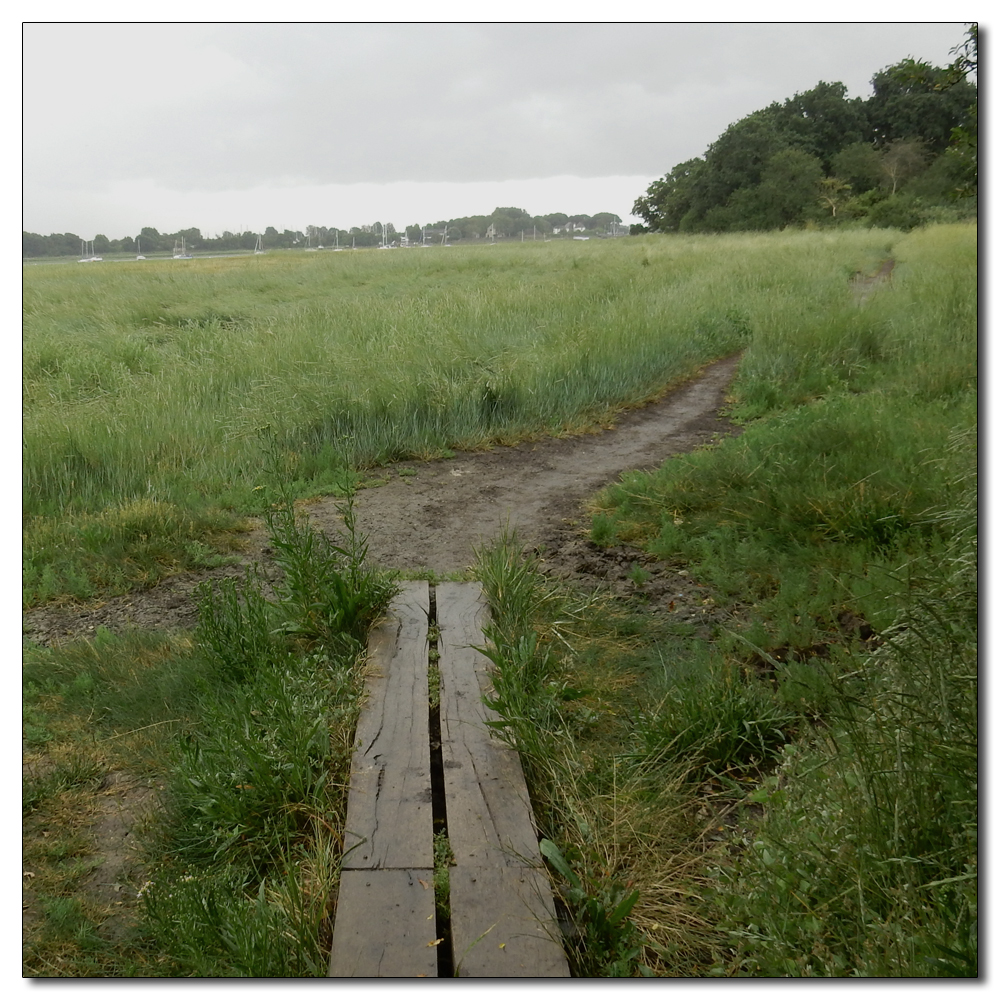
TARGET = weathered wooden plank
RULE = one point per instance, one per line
(389, 817)
(489, 814)
(385, 925)
(503, 924)
(502, 914)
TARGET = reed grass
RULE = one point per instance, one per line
(167, 382)
(827, 735)
(797, 797)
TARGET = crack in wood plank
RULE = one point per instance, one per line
(502, 913)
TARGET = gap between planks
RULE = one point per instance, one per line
(502, 921)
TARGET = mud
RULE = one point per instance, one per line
(432, 515)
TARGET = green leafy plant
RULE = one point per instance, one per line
(328, 593)
(444, 859)
(606, 943)
(235, 626)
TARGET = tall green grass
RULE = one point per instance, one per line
(618, 843)
(827, 735)
(842, 527)
(247, 728)
(809, 511)
(867, 861)
(167, 382)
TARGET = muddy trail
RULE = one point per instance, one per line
(432, 515)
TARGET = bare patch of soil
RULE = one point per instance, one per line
(432, 515)
(863, 284)
(121, 808)
(113, 815)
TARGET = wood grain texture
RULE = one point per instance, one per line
(502, 913)
(389, 813)
(503, 924)
(489, 814)
(384, 925)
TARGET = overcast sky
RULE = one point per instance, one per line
(243, 126)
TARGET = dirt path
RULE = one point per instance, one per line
(862, 284)
(431, 518)
(431, 515)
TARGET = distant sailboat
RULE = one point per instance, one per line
(138, 250)
(259, 247)
(87, 255)
(180, 250)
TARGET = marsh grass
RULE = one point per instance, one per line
(848, 466)
(797, 797)
(722, 721)
(842, 524)
(153, 385)
(567, 687)
(246, 728)
(866, 863)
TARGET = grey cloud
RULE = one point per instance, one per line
(345, 103)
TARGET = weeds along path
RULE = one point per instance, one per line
(431, 515)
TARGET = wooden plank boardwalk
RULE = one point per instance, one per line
(502, 918)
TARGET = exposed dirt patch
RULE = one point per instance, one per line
(431, 515)
(426, 516)
(862, 284)
(121, 809)
(113, 815)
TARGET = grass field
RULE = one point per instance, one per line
(796, 796)
(159, 395)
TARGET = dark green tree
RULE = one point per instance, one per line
(789, 187)
(34, 245)
(151, 240)
(915, 100)
(668, 200)
(822, 121)
(603, 221)
(860, 165)
(509, 221)
(963, 150)
(192, 236)
(736, 160)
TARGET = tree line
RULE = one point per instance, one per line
(501, 224)
(906, 155)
